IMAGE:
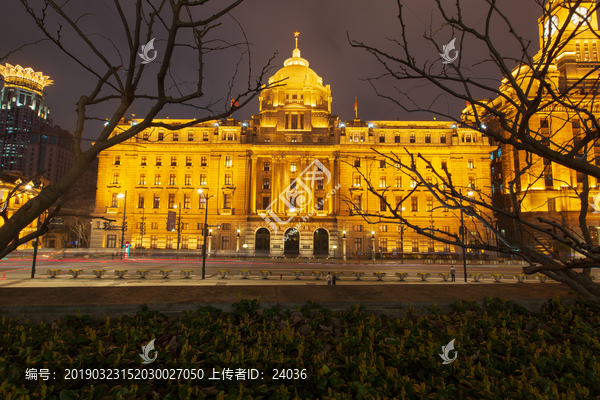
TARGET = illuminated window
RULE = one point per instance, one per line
(161, 136)
(202, 203)
(146, 136)
(383, 228)
(114, 202)
(173, 179)
(202, 179)
(116, 178)
(203, 161)
(143, 160)
(156, 202)
(382, 181)
(142, 179)
(140, 201)
(266, 183)
(157, 179)
(175, 136)
(358, 244)
(356, 180)
(266, 166)
(382, 138)
(117, 160)
(293, 167)
(173, 161)
(382, 244)
(470, 164)
(227, 201)
(415, 245)
(154, 225)
(187, 200)
(228, 162)
(190, 136)
(382, 164)
(205, 136)
(158, 161)
(172, 200)
(413, 138)
(188, 161)
(443, 138)
(224, 242)
(429, 203)
(428, 138)
(357, 228)
(357, 203)
(188, 179)
(320, 184)
(227, 179)
(398, 182)
(414, 204)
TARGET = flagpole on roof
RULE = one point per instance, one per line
(356, 107)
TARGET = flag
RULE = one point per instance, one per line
(355, 104)
(234, 103)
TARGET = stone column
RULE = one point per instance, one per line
(209, 245)
(330, 185)
(253, 182)
(344, 238)
(275, 186)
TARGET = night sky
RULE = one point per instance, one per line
(269, 26)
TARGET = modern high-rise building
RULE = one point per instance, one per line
(291, 181)
(22, 110)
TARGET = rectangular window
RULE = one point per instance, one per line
(190, 136)
(188, 179)
(470, 164)
(443, 138)
(158, 161)
(412, 138)
(414, 204)
(551, 205)
(382, 138)
(114, 202)
(227, 201)
(415, 245)
(358, 245)
(146, 136)
(184, 242)
(172, 179)
(156, 202)
(144, 160)
(398, 182)
(157, 179)
(357, 163)
(266, 166)
(430, 247)
(357, 228)
(382, 205)
(203, 161)
(397, 139)
(117, 160)
(357, 203)
(173, 161)
(228, 162)
(471, 182)
(187, 201)
(142, 180)
(265, 202)
(111, 241)
(383, 228)
(293, 167)
(169, 242)
(161, 136)
(429, 203)
(382, 181)
(444, 165)
(175, 136)
(154, 225)
(171, 200)
(116, 179)
(202, 179)
(319, 203)
(224, 242)
(428, 138)
(320, 184)
(140, 201)
(266, 183)
(383, 244)
(228, 179)
(202, 203)
(382, 164)
(188, 161)
(154, 242)
(357, 180)
(294, 121)
(287, 121)
(205, 136)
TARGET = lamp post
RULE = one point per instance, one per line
(334, 247)
(123, 196)
(205, 233)
(344, 248)
(462, 229)
(373, 245)
(209, 241)
(237, 246)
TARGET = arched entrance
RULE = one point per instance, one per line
(291, 242)
(262, 243)
(321, 242)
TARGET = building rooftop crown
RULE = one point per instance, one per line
(24, 77)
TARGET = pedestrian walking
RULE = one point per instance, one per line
(453, 273)
(334, 279)
(328, 278)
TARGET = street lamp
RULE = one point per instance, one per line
(334, 247)
(237, 246)
(205, 234)
(462, 228)
(373, 245)
(123, 196)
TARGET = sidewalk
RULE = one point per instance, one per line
(48, 303)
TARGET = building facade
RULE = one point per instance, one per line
(545, 189)
(281, 183)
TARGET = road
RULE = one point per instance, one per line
(15, 272)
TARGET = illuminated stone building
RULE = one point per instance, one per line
(547, 189)
(280, 178)
(21, 111)
(10, 203)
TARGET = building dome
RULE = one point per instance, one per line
(296, 72)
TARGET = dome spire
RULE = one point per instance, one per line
(296, 52)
